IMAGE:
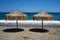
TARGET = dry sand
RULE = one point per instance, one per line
(53, 34)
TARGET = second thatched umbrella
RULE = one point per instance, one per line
(43, 16)
(16, 16)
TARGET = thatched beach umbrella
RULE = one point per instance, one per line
(42, 16)
(16, 16)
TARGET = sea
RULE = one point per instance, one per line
(56, 15)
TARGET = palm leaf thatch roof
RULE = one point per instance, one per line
(43, 14)
(16, 13)
(19, 15)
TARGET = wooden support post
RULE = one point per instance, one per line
(42, 23)
(17, 22)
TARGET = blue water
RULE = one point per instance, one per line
(56, 15)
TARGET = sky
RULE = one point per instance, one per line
(30, 5)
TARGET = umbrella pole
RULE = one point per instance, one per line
(17, 23)
(42, 23)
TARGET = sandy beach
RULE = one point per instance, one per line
(53, 34)
(29, 19)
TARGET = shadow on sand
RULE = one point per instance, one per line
(13, 30)
(38, 30)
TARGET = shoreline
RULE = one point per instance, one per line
(30, 23)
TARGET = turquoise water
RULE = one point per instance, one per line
(56, 15)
